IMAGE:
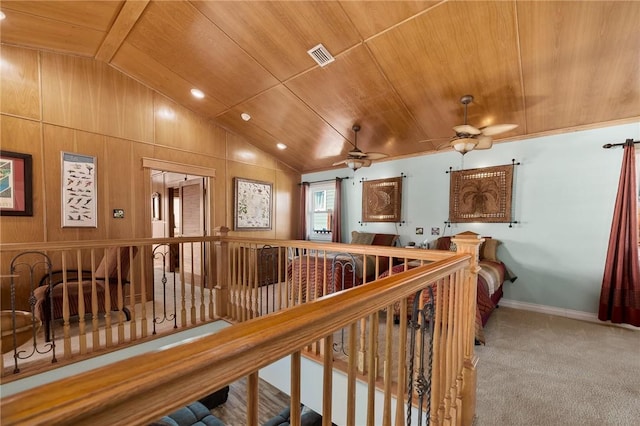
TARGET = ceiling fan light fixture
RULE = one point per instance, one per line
(464, 145)
(354, 163)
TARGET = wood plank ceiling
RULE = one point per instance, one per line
(400, 68)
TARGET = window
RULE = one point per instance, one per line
(320, 211)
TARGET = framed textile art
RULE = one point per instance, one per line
(481, 195)
(382, 200)
(79, 191)
(15, 184)
(253, 205)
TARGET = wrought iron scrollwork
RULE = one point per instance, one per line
(19, 264)
(161, 251)
(421, 327)
(344, 263)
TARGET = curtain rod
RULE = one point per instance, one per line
(326, 180)
(611, 145)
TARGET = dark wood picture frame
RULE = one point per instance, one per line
(481, 195)
(253, 205)
(382, 200)
(16, 184)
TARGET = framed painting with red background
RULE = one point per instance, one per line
(15, 184)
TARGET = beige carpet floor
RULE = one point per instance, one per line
(539, 369)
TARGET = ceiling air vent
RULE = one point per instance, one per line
(321, 55)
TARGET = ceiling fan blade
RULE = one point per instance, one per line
(444, 146)
(484, 142)
(375, 155)
(339, 162)
(468, 129)
(444, 138)
(496, 129)
(356, 153)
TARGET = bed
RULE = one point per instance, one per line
(331, 272)
(491, 278)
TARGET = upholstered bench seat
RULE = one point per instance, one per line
(195, 414)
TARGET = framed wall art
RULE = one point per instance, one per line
(252, 205)
(382, 200)
(16, 198)
(481, 195)
(79, 197)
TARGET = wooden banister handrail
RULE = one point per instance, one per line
(136, 388)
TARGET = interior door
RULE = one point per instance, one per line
(192, 219)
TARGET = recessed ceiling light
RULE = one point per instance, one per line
(197, 93)
(2, 16)
(280, 145)
(245, 116)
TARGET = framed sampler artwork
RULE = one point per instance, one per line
(79, 197)
(253, 204)
(382, 200)
(16, 197)
(481, 195)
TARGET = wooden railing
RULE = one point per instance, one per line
(276, 315)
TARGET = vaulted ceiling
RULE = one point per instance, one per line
(400, 66)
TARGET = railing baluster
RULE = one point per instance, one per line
(95, 332)
(120, 298)
(327, 380)
(65, 308)
(133, 328)
(143, 256)
(372, 369)
(351, 376)
(192, 285)
(252, 399)
(183, 287)
(82, 332)
(401, 373)
(296, 379)
(202, 282)
(386, 416)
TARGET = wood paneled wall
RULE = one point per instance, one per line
(53, 102)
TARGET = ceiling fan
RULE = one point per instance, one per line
(356, 158)
(468, 138)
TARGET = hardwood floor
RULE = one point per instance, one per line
(234, 411)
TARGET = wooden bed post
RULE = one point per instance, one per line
(469, 243)
(221, 289)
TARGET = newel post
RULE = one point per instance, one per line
(221, 289)
(469, 243)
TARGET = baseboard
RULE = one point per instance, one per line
(561, 312)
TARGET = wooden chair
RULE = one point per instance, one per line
(49, 293)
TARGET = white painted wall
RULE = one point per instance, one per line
(564, 194)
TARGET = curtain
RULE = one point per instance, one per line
(302, 223)
(620, 294)
(336, 223)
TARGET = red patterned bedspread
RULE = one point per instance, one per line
(490, 280)
(317, 277)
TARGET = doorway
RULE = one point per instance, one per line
(183, 200)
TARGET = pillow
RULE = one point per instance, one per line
(384, 240)
(365, 238)
(489, 249)
(444, 243)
